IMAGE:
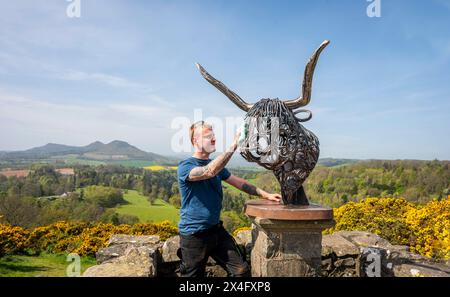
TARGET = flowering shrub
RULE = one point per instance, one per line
(425, 229)
(74, 237)
(12, 239)
(235, 232)
(55, 237)
(430, 227)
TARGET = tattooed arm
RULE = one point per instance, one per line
(215, 166)
(250, 189)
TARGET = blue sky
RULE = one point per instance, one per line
(126, 69)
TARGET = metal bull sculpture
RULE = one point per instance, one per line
(275, 139)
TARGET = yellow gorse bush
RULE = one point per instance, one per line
(74, 237)
(235, 232)
(12, 239)
(430, 227)
(425, 229)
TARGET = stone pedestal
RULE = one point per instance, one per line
(287, 240)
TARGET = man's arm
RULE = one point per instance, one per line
(214, 167)
(250, 189)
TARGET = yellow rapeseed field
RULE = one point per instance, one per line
(159, 167)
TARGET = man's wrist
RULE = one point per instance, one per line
(233, 147)
(261, 193)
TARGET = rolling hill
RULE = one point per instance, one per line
(121, 152)
(97, 151)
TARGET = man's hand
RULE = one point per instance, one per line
(236, 139)
(273, 197)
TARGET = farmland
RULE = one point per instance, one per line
(138, 205)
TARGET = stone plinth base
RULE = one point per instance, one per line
(287, 247)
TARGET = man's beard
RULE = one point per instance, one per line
(210, 149)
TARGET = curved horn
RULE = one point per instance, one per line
(223, 88)
(307, 80)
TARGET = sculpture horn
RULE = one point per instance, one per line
(307, 80)
(223, 88)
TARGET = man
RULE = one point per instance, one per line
(201, 231)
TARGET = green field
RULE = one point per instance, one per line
(140, 207)
(73, 159)
(42, 265)
(132, 163)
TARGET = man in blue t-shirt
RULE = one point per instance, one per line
(201, 231)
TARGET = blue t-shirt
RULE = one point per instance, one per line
(201, 201)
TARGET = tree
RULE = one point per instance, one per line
(19, 211)
(344, 198)
(175, 200)
(152, 199)
(103, 196)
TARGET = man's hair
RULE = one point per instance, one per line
(196, 125)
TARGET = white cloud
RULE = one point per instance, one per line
(20, 63)
(115, 81)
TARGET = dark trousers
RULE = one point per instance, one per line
(217, 243)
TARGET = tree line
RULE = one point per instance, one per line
(416, 181)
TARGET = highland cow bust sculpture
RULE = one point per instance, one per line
(275, 139)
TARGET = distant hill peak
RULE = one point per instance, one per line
(96, 143)
(119, 143)
(94, 146)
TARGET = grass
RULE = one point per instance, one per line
(44, 264)
(139, 206)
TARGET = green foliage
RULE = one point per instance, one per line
(175, 200)
(19, 211)
(116, 176)
(103, 196)
(416, 181)
(233, 220)
(159, 184)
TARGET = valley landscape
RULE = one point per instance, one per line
(118, 184)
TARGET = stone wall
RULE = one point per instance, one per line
(363, 254)
(344, 254)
